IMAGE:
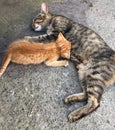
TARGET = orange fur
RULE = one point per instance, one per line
(25, 52)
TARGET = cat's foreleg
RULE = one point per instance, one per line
(93, 86)
(57, 63)
(41, 38)
(32, 38)
(5, 63)
(92, 104)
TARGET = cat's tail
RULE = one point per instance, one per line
(5, 63)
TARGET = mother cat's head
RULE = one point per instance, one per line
(50, 22)
(42, 20)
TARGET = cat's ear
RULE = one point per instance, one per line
(44, 8)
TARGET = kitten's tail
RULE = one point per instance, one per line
(5, 63)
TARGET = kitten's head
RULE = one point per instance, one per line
(64, 45)
(42, 20)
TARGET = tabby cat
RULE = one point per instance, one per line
(96, 74)
(25, 52)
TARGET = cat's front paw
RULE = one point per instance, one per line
(27, 38)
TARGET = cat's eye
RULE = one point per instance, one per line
(41, 15)
(38, 21)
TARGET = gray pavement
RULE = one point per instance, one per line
(31, 97)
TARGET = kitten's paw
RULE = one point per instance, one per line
(0, 75)
(66, 63)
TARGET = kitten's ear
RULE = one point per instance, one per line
(61, 36)
(44, 8)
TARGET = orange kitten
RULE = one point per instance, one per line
(25, 52)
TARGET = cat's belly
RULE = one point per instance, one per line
(25, 60)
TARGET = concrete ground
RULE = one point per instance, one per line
(31, 97)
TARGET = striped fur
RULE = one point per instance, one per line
(93, 58)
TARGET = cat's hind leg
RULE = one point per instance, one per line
(93, 85)
(92, 104)
(5, 63)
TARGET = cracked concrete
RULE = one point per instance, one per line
(31, 97)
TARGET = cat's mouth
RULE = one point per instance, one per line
(38, 28)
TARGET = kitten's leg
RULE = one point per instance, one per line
(5, 63)
(57, 63)
(75, 97)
